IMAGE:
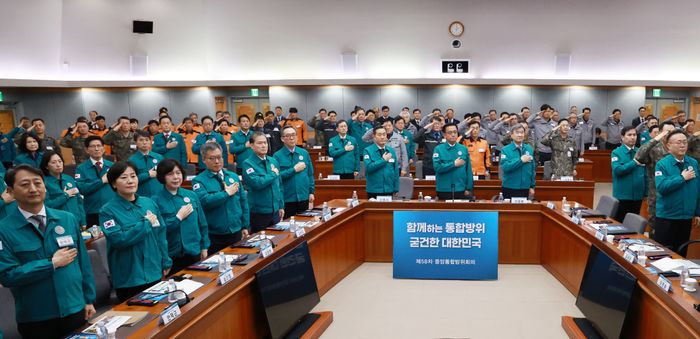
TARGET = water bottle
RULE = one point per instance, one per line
(326, 210)
(222, 262)
(420, 196)
(604, 230)
(320, 176)
(171, 291)
(354, 196)
(264, 241)
(111, 334)
(685, 274)
(292, 224)
(500, 197)
(563, 204)
(101, 330)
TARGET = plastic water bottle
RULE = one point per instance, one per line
(563, 204)
(101, 330)
(222, 262)
(354, 196)
(420, 196)
(685, 274)
(292, 224)
(320, 176)
(172, 287)
(500, 197)
(264, 241)
(326, 210)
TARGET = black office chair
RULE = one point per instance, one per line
(685, 245)
(103, 286)
(8, 324)
(69, 170)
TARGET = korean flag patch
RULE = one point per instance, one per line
(77, 175)
(250, 170)
(503, 156)
(658, 174)
(196, 187)
(109, 223)
(435, 155)
(614, 159)
(366, 156)
(0, 245)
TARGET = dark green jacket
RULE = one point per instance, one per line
(28, 159)
(296, 185)
(57, 198)
(381, 176)
(89, 181)
(676, 198)
(344, 162)
(225, 214)
(178, 152)
(517, 174)
(447, 176)
(629, 179)
(187, 237)
(201, 139)
(148, 186)
(238, 146)
(264, 186)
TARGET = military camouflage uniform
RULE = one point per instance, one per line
(121, 145)
(649, 154)
(78, 145)
(564, 153)
(694, 147)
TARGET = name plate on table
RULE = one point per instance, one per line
(551, 205)
(566, 178)
(327, 217)
(170, 313)
(354, 203)
(266, 252)
(334, 177)
(429, 177)
(384, 198)
(576, 220)
(581, 159)
(316, 147)
(300, 231)
(599, 235)
(476, 177)
(226, 276)
(519, 200)
(593, 148)
(630, 256)
(664, 283)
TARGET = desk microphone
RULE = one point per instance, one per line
(453, 192)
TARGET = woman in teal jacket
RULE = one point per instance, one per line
(29, 151)
(137, 248)
(186, 224)
(61, 190)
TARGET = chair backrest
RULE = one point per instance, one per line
(500, 171)
(100, 245)
(361, 173)
(232, 167)
(190, 169)
(311, 141)
(547, 175)
(69, 170)
(8, 324)
(419, 169)
(103, 287)
(635, 222)
(405, 187)
(110, 157)
(608, 205)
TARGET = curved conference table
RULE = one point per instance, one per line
(528, 234)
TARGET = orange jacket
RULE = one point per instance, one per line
(300, 126)
(479, 154)
(191, 157)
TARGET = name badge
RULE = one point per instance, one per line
(550, 205)
(664, 283)
(630, 256)
(566, 178)
(576, 220)
(392, 160)
(429, 177)
(50, 148)
(65, 241)
(475, 177)
(266, 252)
(599, 235)
(326, 217)
(593, 148)
(384, 198)
(519, 200)
(354, 203)
(225, 276)
(568, 154)
(300, 231)
(581, 159)
(481, 150)
(170, 313)
(132, 146)
(334, 177)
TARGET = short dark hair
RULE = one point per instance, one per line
(293, 110)
(563, 120)
(385, 107)
(38, 119)
(100, 117)
(134, 120)
(23, 118)
(474, 122)
(123, 117)
(91, 138)
(504, 114)
(524, 108)
(545, 107)
(417, 110)
(322, 110)
(23, 142)
(626, 129)
(243, 116)
(476, 114)
(81, 119)
(163, 109)
(12, 173)
(332, 112)
(653, 127)
(666, 123)
(139, 133)
(586, 109)
(269, 113)
(165, 117)
(166, 166)
(118, 169)
(444, 128)
(341, 121)
(616, 110)
(674, 132)
(186, 119)
(374, 130)
(651, 117)
(206, 117)
(151, 122)
(43, 166)
(436, 118)
(255, 135)
(641, 108)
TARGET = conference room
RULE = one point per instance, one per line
(369, 169)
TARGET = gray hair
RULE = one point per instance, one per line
(209, 147)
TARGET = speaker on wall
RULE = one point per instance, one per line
(139, 65)
(348, 62)
(143, 27)
(562, 63)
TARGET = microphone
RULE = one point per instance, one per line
(453, 192)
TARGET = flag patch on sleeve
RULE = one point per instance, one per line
(109, 223)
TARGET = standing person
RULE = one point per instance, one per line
(76, 141)
(169, 144)
(279, 116)
(190, 135)
(400, 127)
(328, 127)
(298, 124)
(479, 151)
(223, 127)
(208, 136)
(8, 151)
(564, 151)
(381, 167)
(137, 248)
(185, 222)
(453, 171)
(29, 151)
(643, 130)
(314, 122)
(641, 119)
(575, 132)
(628, 175)
(61, 189)
(91, 178)
(415, 121)
(678, 193)
(224, 202)
(121, 139)
(274, 140)
(492, 137)
(146, 163)
(100, 129)
(587, 129)
(395, 141)
(613, 127)
(261, 175)
(241, 146)
(38, 130)
(649, 154)
(43, 261)
(345, 152)
(358, 128)
(518, 166)
(92, 123)
(430, 137)
(297, 174)
(541, 124)
(385, 116)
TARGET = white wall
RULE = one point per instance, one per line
(395, 39)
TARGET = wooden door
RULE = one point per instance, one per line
(7, 120)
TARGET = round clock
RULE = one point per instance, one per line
(456, 29)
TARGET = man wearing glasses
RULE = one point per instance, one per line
(91, 179)
(297, 174)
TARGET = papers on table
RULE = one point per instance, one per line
(113, 323)
(676, 265)
(214, 260)
(186, 285)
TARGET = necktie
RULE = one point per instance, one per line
(167, 136)
(39, 222)
(60, 183)
(145, 159)
(99, 166)
(219, 178)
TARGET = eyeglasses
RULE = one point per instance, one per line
(219, 158)
(291, 135)
(680, 142)
(95, 146)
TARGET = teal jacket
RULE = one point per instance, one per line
(5, 208)
(449, 178)
(40, 291)
(676, 198)
(344, 162)
(178, 152)
(95, 193)
(201, 139)
(516, 174)
(57, 198)
(27, 159)
(137, 251)
(628, 177)
(148, 186)
(263, 185)
(225, 214)
(187, 237)
(411, 145)
(381, 176)
(357, 130)
(644, 137)
(8, 150)
(238, 146)
(296, 185)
